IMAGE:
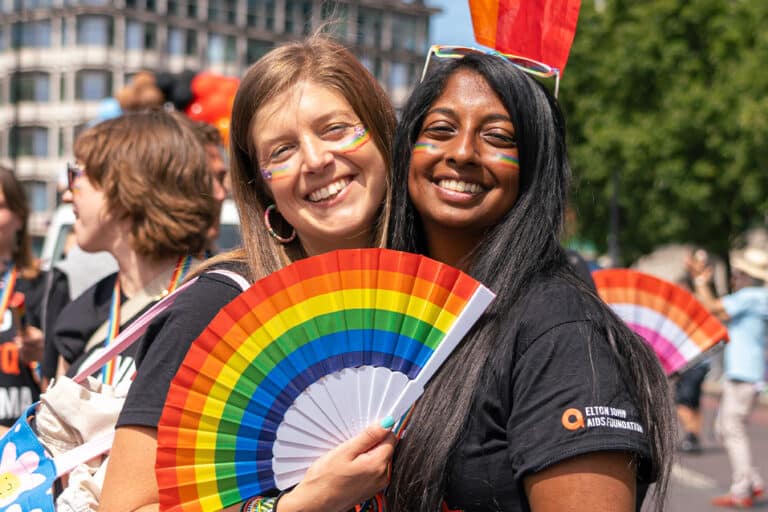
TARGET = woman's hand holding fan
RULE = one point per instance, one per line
(347, 475)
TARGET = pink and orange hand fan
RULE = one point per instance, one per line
(668, 317)
(302, 361)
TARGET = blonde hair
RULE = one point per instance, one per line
(318, 60)
(152, 169)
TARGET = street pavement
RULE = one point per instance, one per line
(697, 478)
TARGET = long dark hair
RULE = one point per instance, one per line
(521, 247)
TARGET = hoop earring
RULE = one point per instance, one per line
(272, 232)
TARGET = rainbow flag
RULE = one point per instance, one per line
(541, 30)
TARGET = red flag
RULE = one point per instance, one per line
(541, 30)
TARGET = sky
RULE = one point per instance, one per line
(452, 26)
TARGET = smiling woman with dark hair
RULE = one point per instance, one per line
(551, 402)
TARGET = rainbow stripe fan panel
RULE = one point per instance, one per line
(300, 362)
(668, 317)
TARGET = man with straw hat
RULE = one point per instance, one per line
(746, 312)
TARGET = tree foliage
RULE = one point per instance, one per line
(672, 95)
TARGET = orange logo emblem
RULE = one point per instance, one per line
(573, 419)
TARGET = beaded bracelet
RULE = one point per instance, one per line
(259, 504)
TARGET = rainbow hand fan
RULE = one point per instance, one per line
(300, 362)
(668, 317)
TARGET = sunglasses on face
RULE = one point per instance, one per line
(74, 171)
(530, 66)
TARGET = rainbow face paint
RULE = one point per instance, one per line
(424, 147)
(275, 172)
(359, 139)
(508, 159)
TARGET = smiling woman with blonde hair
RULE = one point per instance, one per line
(311, 137)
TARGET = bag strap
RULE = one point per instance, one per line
(131, 333)
(69, 460)
(240, 280)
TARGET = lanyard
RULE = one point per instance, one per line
(108, 371)
(9, 284)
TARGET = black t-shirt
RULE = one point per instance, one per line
(18, 386)
(56, 299)
(81, 318)
(556, 392)
(164, 346)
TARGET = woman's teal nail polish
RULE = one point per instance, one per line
(387, 422)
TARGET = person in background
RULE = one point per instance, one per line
(21, 340)
(68, 278)
(745, 310)
(688, 385)
(150, 208)
(311, 140)
(210, 138)
(688, 405)
(550, 403)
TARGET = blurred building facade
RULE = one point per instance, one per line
(60, 58)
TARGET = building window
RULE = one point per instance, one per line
(221, 49)
(150, 36)
(298, 17)
(32, 34)
(191, 42)
(30, 86)
(369, 23)
(256, 50)
(131, 4)
(93, 84)
(172, 7)
(223, 11)
(3, 42)
(28, 141)
(337, 17)
(252, 12)
(134, 35)
(21, 5)
(64, 25)
(270, 14)
(94, 31)
(176, 41)
(191, 9)
(151, 5)
(406, 32)
(37, 195)
(140, 36)
(63, 87)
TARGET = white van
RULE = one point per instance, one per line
(64, 218)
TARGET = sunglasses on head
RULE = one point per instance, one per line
(530, 66)
(74, 171)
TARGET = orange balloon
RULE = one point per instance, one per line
(205, 83)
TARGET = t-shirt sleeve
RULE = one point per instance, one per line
(165, 344)
(568, 398)
(744, 301)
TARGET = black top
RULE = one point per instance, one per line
(554, 393)
(163, 347)
(81, 318)
(56, 299)
(18, 385)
